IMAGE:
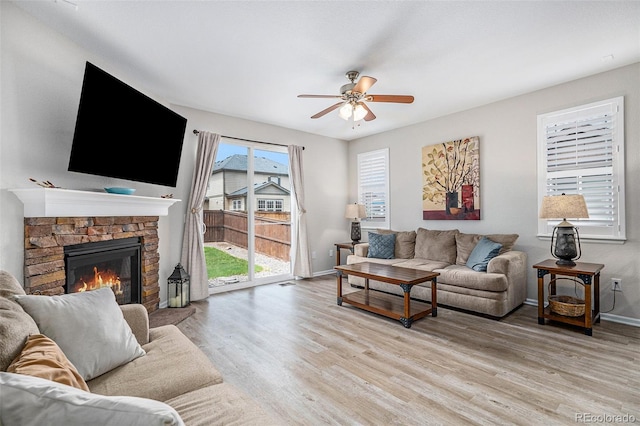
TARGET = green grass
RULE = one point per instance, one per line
(220, 264)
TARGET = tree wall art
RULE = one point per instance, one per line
(451, 180)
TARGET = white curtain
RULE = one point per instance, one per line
(299, 244)
(193, 241)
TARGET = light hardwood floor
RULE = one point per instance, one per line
(308, 361)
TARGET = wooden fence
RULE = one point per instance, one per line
(272, 236)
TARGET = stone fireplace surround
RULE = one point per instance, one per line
(46, 237)
(55, 218)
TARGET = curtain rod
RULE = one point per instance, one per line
(195, 132)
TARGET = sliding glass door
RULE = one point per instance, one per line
(247, 214)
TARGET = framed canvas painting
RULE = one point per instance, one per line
(451, 180)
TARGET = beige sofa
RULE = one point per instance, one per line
(172, 370)
(495, 293)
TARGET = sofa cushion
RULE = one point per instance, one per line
(89, 327)
(381, 246)
(422, 264)
(220, 404)
(436, 245)
(172, 366)
(28, 400)
(405, 247)
(465, 243)
(507, 241)
(466, 277)
(482, 253)
(41, 357)
(15, 324)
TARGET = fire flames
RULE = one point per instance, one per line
(100, 279)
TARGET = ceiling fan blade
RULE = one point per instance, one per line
(400, 99)
(327, 110)
(364, 84)
(319, 96)
(370, 115)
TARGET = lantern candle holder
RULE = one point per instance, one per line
(178, 288)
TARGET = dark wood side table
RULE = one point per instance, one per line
(342, 246)
(585, 272)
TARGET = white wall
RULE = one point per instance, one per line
(40, 81)
(507, 132)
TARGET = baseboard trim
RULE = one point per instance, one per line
(321, 273)
(634, 322)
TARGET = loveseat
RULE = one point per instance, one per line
(490, 281)
(164, 379)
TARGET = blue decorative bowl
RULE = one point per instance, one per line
(117, 190)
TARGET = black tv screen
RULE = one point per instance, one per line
(124, 134)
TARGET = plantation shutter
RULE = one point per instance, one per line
(582, 152)
(373, 187)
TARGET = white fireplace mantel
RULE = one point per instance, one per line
(57, 202)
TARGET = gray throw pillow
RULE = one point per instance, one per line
(15, 324)
(381, 246)
(89, 327)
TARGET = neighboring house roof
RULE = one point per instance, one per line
(238, 162)
(258, 188)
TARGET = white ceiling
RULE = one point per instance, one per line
(250, 59)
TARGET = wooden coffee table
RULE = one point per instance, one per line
(403, 309)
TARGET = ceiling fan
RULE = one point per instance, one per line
(353, 97)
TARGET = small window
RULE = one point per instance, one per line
(265, 205)
(581, 151)
(236, 205)
(373, 187)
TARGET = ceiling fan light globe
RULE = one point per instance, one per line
(345, 111)
(359, 112)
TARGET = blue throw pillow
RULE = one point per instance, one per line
(381, 246)
(482, 253)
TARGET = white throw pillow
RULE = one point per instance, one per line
(28, 400)
(89, 327)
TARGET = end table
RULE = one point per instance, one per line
(340, 246)
(588, 273)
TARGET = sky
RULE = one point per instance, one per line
(227, 150)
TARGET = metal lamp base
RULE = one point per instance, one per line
(355, 232)
(565, 249)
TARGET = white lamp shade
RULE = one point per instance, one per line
(345, 111)
(359, 112)
(355, 211)
(563, 206)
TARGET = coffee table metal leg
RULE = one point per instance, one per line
(406, 319)
(406, 322)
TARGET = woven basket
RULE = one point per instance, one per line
(568, 306)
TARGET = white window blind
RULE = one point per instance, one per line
(581, 151)
(373, 187)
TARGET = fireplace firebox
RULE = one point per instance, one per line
(111, 263)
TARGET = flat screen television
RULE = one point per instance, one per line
(122, 133)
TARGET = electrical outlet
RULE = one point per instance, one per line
(330, 252)
(616, 284)
(313, 254)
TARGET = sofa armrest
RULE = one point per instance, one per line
(509, 263)
(361, 249)
(137, 317)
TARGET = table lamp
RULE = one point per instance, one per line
(564, 234)
(355, 211)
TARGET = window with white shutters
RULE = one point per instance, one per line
(373, 187)
(581, 151)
